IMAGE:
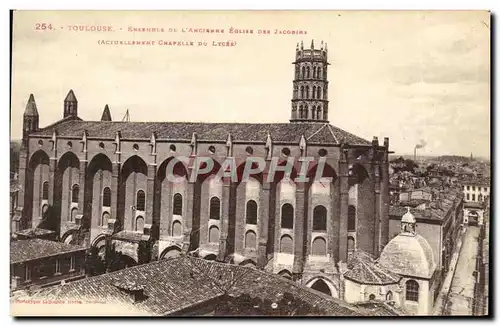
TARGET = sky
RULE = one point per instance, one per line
(416, 77)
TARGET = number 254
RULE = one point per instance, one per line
(43, 26)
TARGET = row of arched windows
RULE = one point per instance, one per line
(315, 112)
(75, 192)
(306, 72)
(319, 217)
(306, 94)
(318, 247)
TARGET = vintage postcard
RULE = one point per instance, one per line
(250, 163)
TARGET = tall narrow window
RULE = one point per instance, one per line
(72, 263)
(351, 244)
(319, 72)
(308, 70)
(412, 290)
(105, 218)
(318, 92)
(74, 193)
(177, 204)
(141, 201)
(27, 275)
(139, 223)
(318, 113)
(58, 266)
(388, 296)
(45, 191)
(313, 111)
(301, 112)
(301, 91)
(468, 197)
(214, 208)
(303, 72)
(251, 217)
(307, 92)
(106, 197)
(351, 218)
(319, 218)
(314, 72)
(473, 197)
(287, 216)
(314, 92)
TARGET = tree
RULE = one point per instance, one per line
(93, 263)
(144, 252)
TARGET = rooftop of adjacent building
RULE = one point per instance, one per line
(363, 269)
(31, 249)
(170, 286)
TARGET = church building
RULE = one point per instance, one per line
(94, 181)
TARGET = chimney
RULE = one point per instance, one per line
(132, 288)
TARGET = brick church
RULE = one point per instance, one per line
(94, 181)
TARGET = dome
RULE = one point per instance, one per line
(409, 255)
(408, 217)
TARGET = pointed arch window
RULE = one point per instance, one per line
(45, 191)
(301, 111)
(314, 92)
(301, 91)
(319, 72)
(214, 208)
(251, 213)
(303, 72)
(318, 113)
(75, 191)
(308, 71)
(314, 72)
(177, 204)
(412, 289)
(287, 216)
(106, 197)
(141, 201)
(307, 92)
(313, 112)
(318, 92)
(306, 111)
(319, 218)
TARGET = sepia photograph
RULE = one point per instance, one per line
(250, 163)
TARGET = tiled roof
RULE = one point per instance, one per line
(175, 284)
(363, 269)
(26, 250)
(34, 232)
(280, 132)
(382, 309)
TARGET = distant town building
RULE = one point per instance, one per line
(476, 193)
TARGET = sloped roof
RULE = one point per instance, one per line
(175, 284)
(31, 249)
(364, 270)
(280, 132)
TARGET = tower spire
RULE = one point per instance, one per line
(70, 105)
(310, 86)
(106, 114)
(30, 119)
(31, 110)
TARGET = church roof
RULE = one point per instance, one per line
(70, 97)
(31, 109)
(408, 255)
(318, 133)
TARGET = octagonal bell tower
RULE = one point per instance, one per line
(310, 85)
